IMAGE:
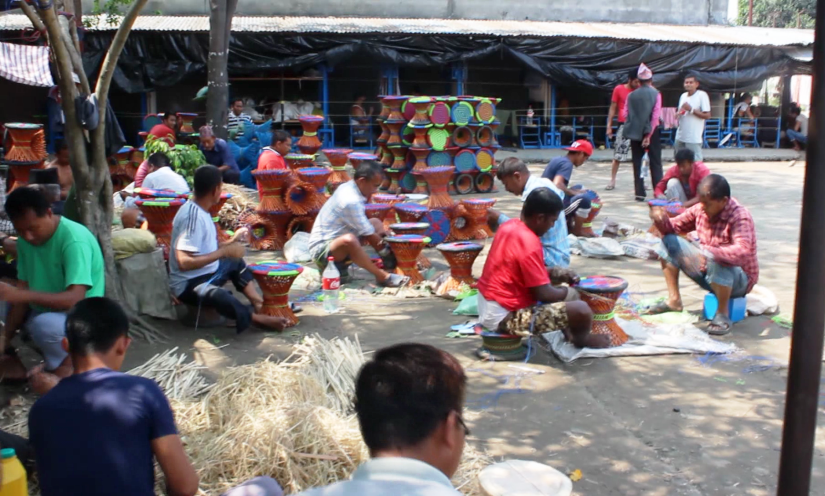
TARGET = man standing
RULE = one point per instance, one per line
(576, 201)
(514, 291)
(798, 131)
(237, 119)
(342, 223)
(621, 146)
(681, 182)
(166, 129)
(694, 109)
(59, 263)
(272, 156)
(724, 262)
(64, 168)
(515, 176)
(644, 107)
(409, 399)
(217, 153)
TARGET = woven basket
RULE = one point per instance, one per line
(301, 198)
(272, 183)
(406, 248)
(438, 179)
(601, 293)
(485, 160)
(337, 156)
(275, 280)
(25, 143)
(485, 182)
(418, 228)
(462, 113)
(160, 215)
(300, 224)
(460, 256)
(420, 155)
(421, 106)
(465, 161)
(477, 210)
(280, 220)
(465, 183)
(263, 235)
(485, 111)
(462, 226)
(394, 103)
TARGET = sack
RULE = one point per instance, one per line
(762, 300)
(128, 242)
(296, 250)
(468, 306)
(595, 247)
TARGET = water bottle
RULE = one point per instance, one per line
(331, 281)
(14, 475)
(645, 172)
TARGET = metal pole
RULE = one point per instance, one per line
(750, 12)
(801, 400)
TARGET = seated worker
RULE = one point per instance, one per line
(559, 170)
(342, 222)
(64, 168)
(409, 400)
(99, 432)
(59, 262)
(272, 157)
(199, 266)
(724, 262)
(514, 292)
(515, 176)
(161, 177)
(166, 129)
(797, 132)
(237, 119)
(217, 153)
(681, 182)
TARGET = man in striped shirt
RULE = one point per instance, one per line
(237, 118)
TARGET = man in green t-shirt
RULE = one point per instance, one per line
(59, 263)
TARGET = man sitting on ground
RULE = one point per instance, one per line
(99, 431)
(560, 170)
(217, 153)
(798, 131)
(199, 266)
(681, 182)
(723, 263)
(59, 263)
(515, 176)
(409, 399)
(272, 157)
(64, 168)
(514, 292)
(342, 222)
(161, 177)
(166, 129)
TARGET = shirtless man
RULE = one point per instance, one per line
(64, 168)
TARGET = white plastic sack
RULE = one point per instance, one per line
(595, 247)
(762, 300)
(309, 280)
(296, 250)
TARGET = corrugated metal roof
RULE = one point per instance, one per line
(709, 35)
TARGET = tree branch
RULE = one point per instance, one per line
(36, 22)
(74, 54)
(112, 56)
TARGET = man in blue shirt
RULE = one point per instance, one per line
(217, 153)
(98, 432)
(576, 200)
(515, 176)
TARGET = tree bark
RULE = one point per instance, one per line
(217, 99)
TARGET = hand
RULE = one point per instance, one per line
(240, 236)
(646, 142)
(661, 197)
(234, 250)
(686, 107)
(561, 275)
(658, 215)
(609, 132)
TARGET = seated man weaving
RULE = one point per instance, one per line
(681, 182)
(515, 294)
(59, 262)
(515, 176)
(576, 201)
(199, 266)
(342, 222)
(724, 262)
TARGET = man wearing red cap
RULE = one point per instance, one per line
(560, 170)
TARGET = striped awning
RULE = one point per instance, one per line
(25, 64)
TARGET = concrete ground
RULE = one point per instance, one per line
(664, 425)
(710, 154)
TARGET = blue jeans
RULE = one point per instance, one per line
(796, 136)
(207, 290)
(579, 204)
(47, 330)
(687, 257)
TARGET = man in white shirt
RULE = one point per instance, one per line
(160, 177)
(694, 109)
(409, 400)
(798, 131)
(237, 119)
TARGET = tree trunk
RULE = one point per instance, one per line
(217, 99)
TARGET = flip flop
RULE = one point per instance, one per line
(394, 281)
(657, 308)
(610, 187)
(295, 307)
(722, 324)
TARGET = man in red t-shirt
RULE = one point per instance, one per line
(621, 146)
(514, 280)
(166, 129)
(272, 156)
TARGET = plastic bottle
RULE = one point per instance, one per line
(530, 115)
(331, 281)
(14, 475)
(645, 172)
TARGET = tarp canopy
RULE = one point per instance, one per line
(160, 59)
(25, 64)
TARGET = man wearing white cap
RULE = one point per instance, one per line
(644, 106)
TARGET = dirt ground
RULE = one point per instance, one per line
(633, 426)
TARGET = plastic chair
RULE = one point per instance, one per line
(583, 130)
(150, 121)
(713, 133)
(360, 136)
(550, 138)
(327, 134)
(746, 135)
(529, 136)
(667, 137)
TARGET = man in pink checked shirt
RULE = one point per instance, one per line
(724, 262)
(642, 112)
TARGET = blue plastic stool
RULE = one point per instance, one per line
(737, 307)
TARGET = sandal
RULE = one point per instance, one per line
(719, 326)
(610, 187)
(658, 308)
(394, 281)
(295, 307)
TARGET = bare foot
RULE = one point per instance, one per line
(596, 341)
(275, 323)
(43, 382)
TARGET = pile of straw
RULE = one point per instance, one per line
(242, 200)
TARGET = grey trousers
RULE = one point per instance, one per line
(675, 191)
(259, 486)
(696, 148)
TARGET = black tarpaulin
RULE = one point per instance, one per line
(153, 60)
